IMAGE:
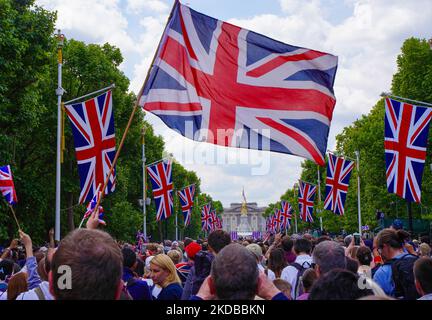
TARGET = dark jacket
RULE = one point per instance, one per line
(138, 289)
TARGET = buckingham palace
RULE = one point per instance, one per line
(251, 220)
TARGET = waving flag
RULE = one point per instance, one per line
(7, 186)
(92, 205)
(93, 130)
(215, 82)
(277, 221)
(406, 135)
(206, 217)
(338, 176)
(186, 201)
(306, 197)
(213, 221)
(161, 179)
(286, 215)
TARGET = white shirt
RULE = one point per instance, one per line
(31, 294)
(289, 273)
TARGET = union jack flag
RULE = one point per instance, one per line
(186, 201)
(7, 186)
(92, 205)
(93, 130)
(406, 135)
(338, 176)
(286, 215)
(206, 217)
(162, 185)
(277, 221)
(306, 197)
(215, 82)
(213, 220)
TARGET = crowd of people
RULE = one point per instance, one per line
(88, 264)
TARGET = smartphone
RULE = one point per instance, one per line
(356, 239)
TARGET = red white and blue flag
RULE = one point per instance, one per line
(338, 175)
(93, 130)
(213, 220)
(306, 198)
(215, 82)
(7, 186)
(92, 205)
(161, 179)
(406, 136)
(286, 215)
(277, 221)
(186, 197)
(206, 217)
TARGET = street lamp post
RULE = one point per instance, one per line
(295, 214)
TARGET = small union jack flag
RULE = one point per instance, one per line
(161, 179)
(277, 221)
(186, 197)
(338, 176)
(7, 186)
(286, 215)
(206, 217)
(306, 197)
(92, 205)
(93, 130)
(406, 136)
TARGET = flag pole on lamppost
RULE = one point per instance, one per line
(144, 209)
(358, 191)
(294, 211)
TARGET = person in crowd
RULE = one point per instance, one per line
(183, 268)
(424, 250)
(216, 241)
(287, 246)
(164, 274)
(17, 285)
(338, 284)
(364, 257)
(175, 256)
(395, 276)
(94, 263)
(308, 279)
(235, 276)
(138, 289)
(284, 287)
(328, 255)
(6, 271)
(294, 272)
(257, 251)
(276, 263)
(423, 277)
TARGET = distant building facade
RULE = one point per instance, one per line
(232, 217)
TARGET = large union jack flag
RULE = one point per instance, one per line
(286, 215)
(306, 198)
(406, 135)
(186, 197)
(7, 186)
(93, 130)
(206, 217)
(215, 82)
(338, 176)
(161, 179)
(277, 221)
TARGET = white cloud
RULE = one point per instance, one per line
(139, 6)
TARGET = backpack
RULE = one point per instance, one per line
(403, 277)
(298, 285)
(203, 262)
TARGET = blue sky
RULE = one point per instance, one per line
(366, 35)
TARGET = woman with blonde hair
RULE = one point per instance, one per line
(164, 274)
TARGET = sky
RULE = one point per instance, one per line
(366, 35)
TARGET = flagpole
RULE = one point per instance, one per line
(91, 93)
(294, 211)
(176, 215)
(358, 190)
(144, 184)
(319, 198)
(59, 93)
(13, 213)
(388, 94)
(134, 110)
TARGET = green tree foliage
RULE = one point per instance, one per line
(28, 117)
